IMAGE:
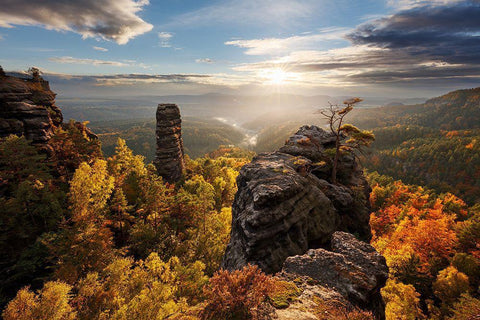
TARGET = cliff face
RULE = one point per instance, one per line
(169, 159)
(286, 215)
(27, 107)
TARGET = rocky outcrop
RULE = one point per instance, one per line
(286, 203)
(349, 267)
(169, 159)
(27, 107)
(291, 220)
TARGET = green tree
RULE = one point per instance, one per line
(209, 245)
(34, 72)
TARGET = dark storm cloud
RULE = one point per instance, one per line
(424, 73)
(115, 20)
(450, 33)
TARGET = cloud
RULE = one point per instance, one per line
(165, 35)
(165, 39)
(115, 20)
(130, 79)
(220, 80)
(438, 42)
(449, 33)
(204, 60)
(248, 12)
(276, 46)
(408, 4)
(100, 49)
(94, 62)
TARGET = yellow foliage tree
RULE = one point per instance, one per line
(450, 285)
(50, 303)
(402, 301)
(86, 245)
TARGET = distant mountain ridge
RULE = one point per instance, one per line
(241, 108)
(455, 110)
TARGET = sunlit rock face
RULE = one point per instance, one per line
(27, 107)
(169, 159)
(286, 203)
(349, 267)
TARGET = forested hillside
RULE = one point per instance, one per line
(111, 239)
(447, 161)
(430, 242)
(435, 144)
(200, 136)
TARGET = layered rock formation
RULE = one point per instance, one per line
(169, 159)
(286, 218)
(286, 204)
(27, 107)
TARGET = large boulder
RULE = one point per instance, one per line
(286, 203)
(350, 267)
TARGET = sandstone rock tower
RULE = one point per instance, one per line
(285, 203)
(291, 220)
(169, 155)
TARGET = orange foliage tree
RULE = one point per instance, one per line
(237, 294)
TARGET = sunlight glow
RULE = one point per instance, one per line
(276, 76)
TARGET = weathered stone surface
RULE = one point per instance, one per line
(286, 204)
(304, 307)
(352, 268)
(27, 107)
(169, 159)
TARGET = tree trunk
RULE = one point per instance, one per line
(337, 152)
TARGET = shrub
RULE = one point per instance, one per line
(237, 294)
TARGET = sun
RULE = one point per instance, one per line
(275, 76)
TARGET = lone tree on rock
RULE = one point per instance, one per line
(335, 114)
(35, 72)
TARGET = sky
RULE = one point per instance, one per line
(395, 48)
